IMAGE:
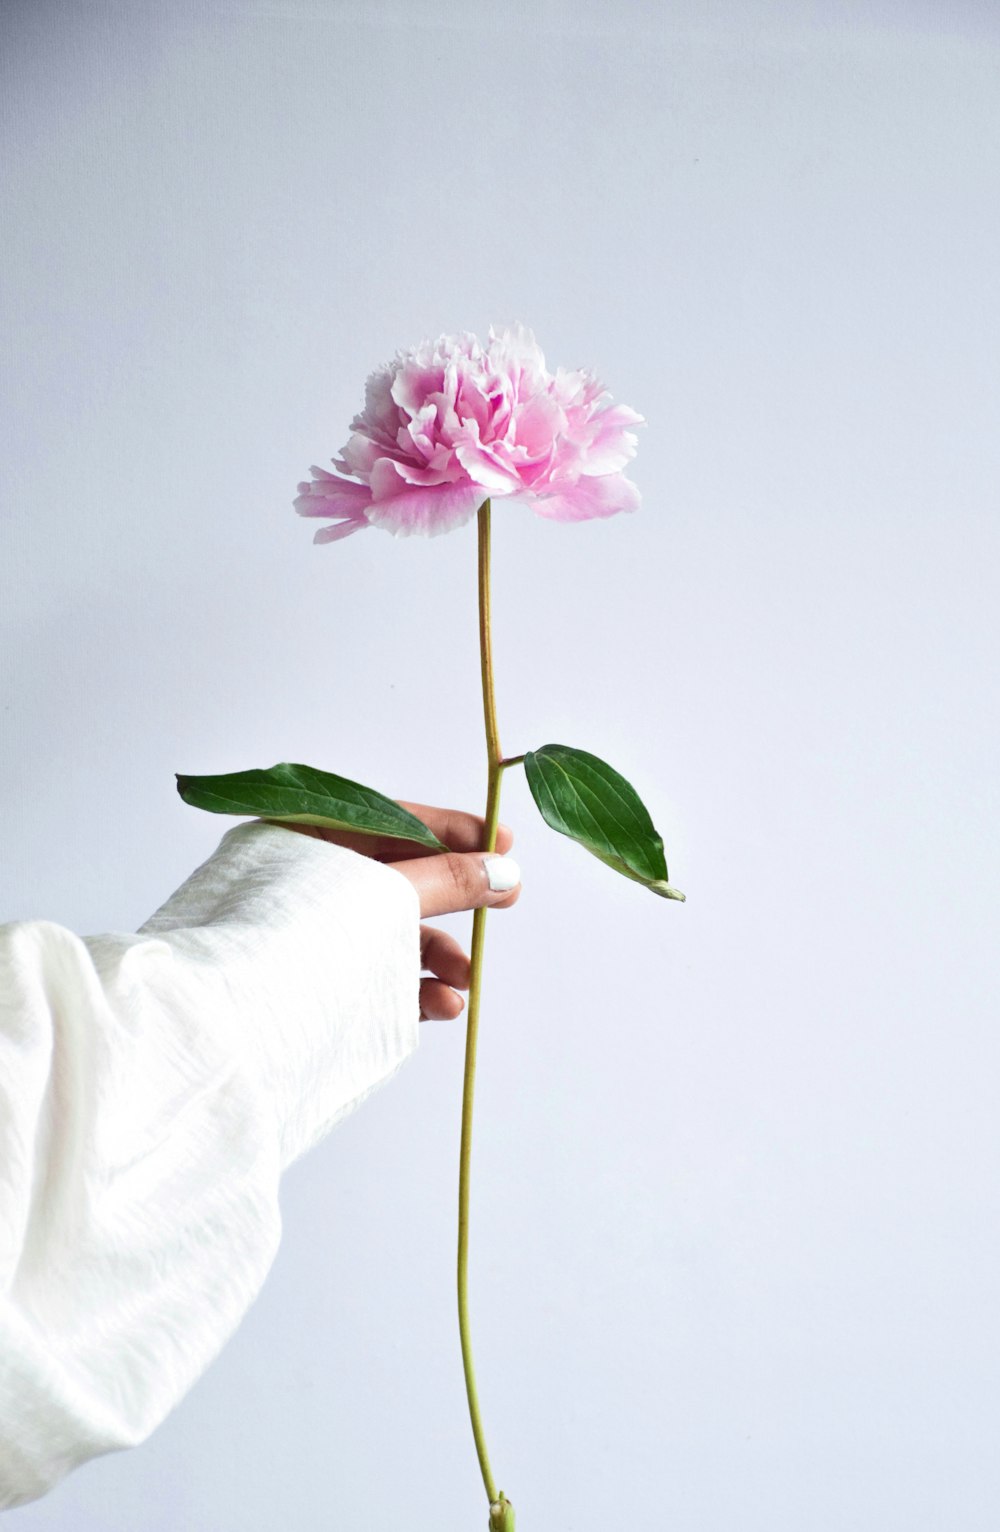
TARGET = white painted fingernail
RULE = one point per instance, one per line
(502, 873)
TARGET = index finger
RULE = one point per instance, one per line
(454, 828)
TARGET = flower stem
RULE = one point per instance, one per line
(495, 765)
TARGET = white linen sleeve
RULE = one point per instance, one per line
(152, 1089)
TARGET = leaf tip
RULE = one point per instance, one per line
(667, 891)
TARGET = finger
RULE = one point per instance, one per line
(458, 881)
(438, 1002)
(453, 828)
(445, 957)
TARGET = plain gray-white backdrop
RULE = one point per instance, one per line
(735, 1223)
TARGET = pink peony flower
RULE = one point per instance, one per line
(452, 422)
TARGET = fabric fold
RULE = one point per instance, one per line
(153, 1087)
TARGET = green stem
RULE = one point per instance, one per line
(495, 764)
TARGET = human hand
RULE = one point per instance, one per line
(446, 883)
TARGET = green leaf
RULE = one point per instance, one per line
(302, 795)
(585, 798)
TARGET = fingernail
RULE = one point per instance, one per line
(502, 873)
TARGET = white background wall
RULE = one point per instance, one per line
(735, 1251)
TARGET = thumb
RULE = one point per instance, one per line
(462, 880)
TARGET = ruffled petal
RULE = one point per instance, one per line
(340, 499)
(426, 512)
(332, 497)
(389, 477)
(411, 472)
(608, 453)
(483, 468)
(539, 423)
(413, 383)
(587, 498)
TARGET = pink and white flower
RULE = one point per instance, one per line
(453, 422)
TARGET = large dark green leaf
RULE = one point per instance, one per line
(585, 798)
(302, 795)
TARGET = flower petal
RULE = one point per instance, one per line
(413, 383)
(608, 453)
(390, 477)
(587, 498)
(333, 497)
(340, 529)
(483, 468)
(426, 512)
(411, 472)
(538, 423)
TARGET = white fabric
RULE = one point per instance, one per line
(152, 1089)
